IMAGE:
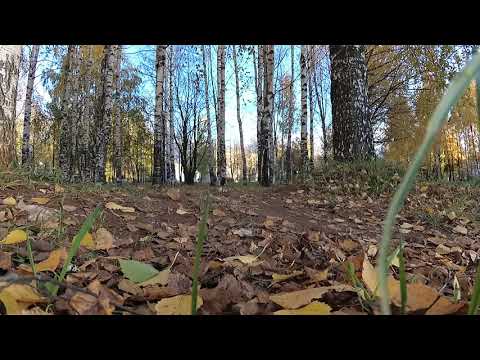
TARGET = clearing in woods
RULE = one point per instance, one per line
(264, 246)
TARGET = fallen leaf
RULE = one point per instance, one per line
(419, 296)
(316, 276)
(369, 276)
(160, 279)
(460, 229)
(372, 250)
(348, 245)
(281, 277)
(103, 239)
(40, 200)
(443, 250)
(10, 304)
(129, 287)
(314, 308)
(24, 294)
(9, 201)
(406, 226)
(137, 271)
(49, 264)
(69, 208)
(14, 237)
(35, 311)
(177, 305)
(243, 232)
(443, 306)
(114, 206)
(296, 299)
(87, 241)
(451, 215)
(173, 194)
(218, 212)
(84, 303)
(181, 211)
(339, 220)
(245, 259)
(5, 260)
(59, 189)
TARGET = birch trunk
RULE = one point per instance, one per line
(211, 170)
(352, 131)
(290, 121)
(303, 130)
(9, 72)
(105, 119)
(267, 114)
(171, 118)
(221, 160)
(118, 156)
(259, 88)
(321, 108)
(310, 104)
(159, 129)
(239, 119)
(26, 148)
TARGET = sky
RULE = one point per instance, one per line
(136, 54)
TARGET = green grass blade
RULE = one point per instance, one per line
(440, 115)
(474, 301)
(403, 279)
(30, 257)
(201, 237)
(87, 225)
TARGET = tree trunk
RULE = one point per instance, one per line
(239, 119)
(290, 122)
(260, 105)
(159, 129)
(303, 131)
(105, 119)
(118, 121)
(171, 118)
(321, 109)
(210, 157)
(310, 98)
(221, 160)
(65, 145)
(352, 131)
(26, 153)
(9, 73)
(268, 56)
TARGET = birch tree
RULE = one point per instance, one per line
(159, 127)
(171, 116)
(221, 159)
(118, 156)
(104, 119)
(9, 72)
(210, 155)
(259, 68)
(310, 102)
(288, 166)
(268, 56)
(26, 148)
(352, 132)
(303, 119)
(239, 119)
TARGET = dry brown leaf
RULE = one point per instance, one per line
(129, 287)
(282, 277)
(181, 211)
(103, 239)
(460, 229)
(348, 245)
(173, 194)
(5, 260)
(50, 264)
(372, 250)
(114, 206)
(160, 279)
(316, 276)
(296, 299)
(69, 208)
(245, 259)
(218, 212)
(443, 306)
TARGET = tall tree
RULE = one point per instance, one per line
(259, 86)
(268, 56)
(210, 155)
(171, 118)
(303, 119)
(118, 146)
(352, 132)
(221, 159)
(288, 166)
(66, 121)
(9, 73)
(239, 119)
(311, 64)
(321, 102)
(159, 129)
(26, 153)
(104, 120)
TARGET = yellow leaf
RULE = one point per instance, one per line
(296, 299)
(177, 305)
(451, 215)
(40, 200)
(59, 189)
(161, 278)
(315, 308)
(114, 206)
(369, 276)
(14, 237)
(103, 239)
(87, 241)
(10, 201)
(280, 277)
(24, 294)
(53, 260)
(11, 306)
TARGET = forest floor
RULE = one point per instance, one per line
(280, 250)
